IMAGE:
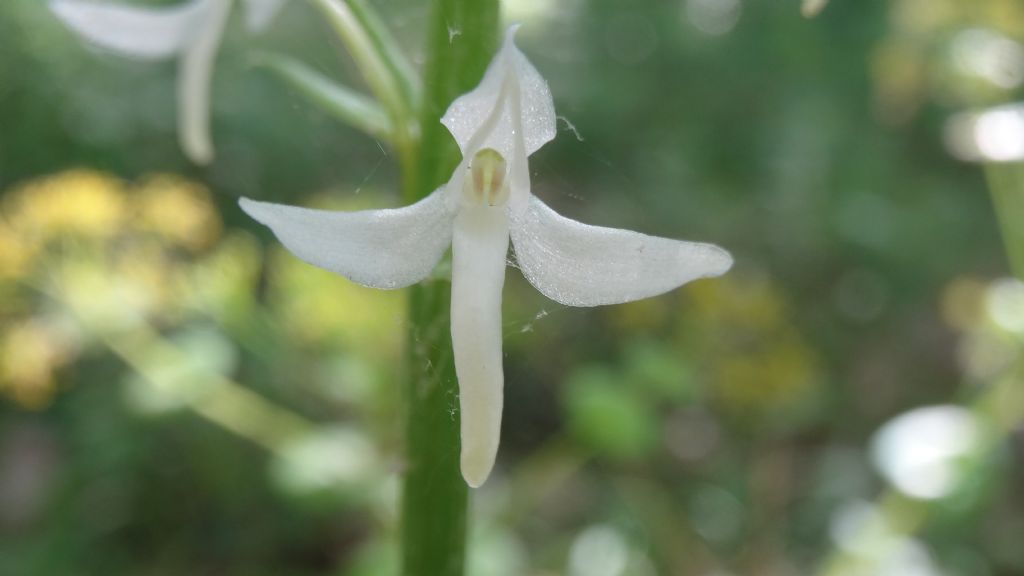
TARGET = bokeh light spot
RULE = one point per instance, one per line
(713, 17)
(918, 451)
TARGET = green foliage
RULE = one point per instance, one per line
(607, 414)
(346, 105)
(660, 371)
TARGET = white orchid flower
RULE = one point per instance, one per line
(191, 32)
(486, 202)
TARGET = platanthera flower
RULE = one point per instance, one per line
(486, 203)
(190, 31)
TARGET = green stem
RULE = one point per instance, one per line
(367, 56)
(374, 55)
(463, 37)
(1006, 184)
(339, 101)
(434, 497)
(390, 51)
(223, 401)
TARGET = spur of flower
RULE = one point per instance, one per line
(486, 204)
(190, 31)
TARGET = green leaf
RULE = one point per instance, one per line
(343, 103)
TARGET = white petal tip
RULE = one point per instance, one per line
(720, 263)
(258, 211)
(201, 157)
(261, 212)
(247, 205)
(476, 470)
(195, 140)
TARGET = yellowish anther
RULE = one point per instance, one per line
(486, 183)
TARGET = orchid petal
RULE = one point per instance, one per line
(145, 33)
(259, 13)
(581, 265)
(483, 118)
(376, 248)
(479, 247)
(196, 71)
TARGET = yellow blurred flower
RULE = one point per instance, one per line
(963, 303)
(757, 361)
(641, 315)
(1004, 15)
(180, 211)
(319, 307)
(15, 253)
(30, 352)
(79, 202)
(779, 375)
(750, 304)
(121, 258)
(901, 80)
(923, 17)
(146, 268)
(224, 282)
